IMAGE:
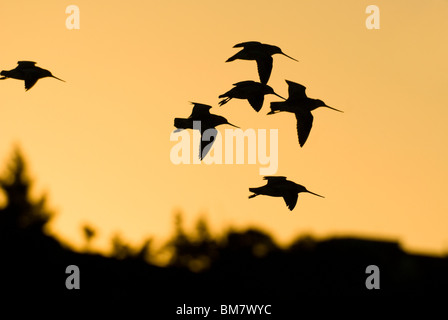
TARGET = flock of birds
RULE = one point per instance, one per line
(297, 102)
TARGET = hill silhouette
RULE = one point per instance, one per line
(241, 266)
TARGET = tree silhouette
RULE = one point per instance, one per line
(195, 252)
(120, 249)
(180, 245)
(89, 233)
(21, 213)
(238, 264)
(144, 253)
(30, 257)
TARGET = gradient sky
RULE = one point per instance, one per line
(99, 144)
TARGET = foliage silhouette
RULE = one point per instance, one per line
(243, 265)
(193, 252)
(20, 213)
(24, 243)
(89, 233)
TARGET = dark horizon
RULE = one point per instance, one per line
(202, 267)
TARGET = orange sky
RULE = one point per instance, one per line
(99, 144)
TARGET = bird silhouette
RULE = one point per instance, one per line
(261, 53)
(299, 104)
(278, 186)
(207, 121)
(27, 70)
(253, 91)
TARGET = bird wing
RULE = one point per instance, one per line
(26, 64)
(256, 101)
(304, 124)
(274, 179)
(296, 91)
(291, 199)
(264, 66)
(30, 82)
(205, 146)
(244, 83)
(199, 110)
(247, 44)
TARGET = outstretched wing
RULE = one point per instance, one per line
(199, 110)
(205, 146)
(26, 64)
(304, 124)
(291, 199)
(256, 101)
(264, 65)
(274, 179)
(244, 83)
(30, 82)
(296, 91)
(247, 44)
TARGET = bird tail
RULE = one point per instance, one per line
(275, 107)
(254, 190)
(224, 101)
(181, 123)
(234, 57)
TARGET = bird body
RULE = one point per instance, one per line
(253, 50)
(299, 104)
(252, 91)
(279, 186)
(201, 112)
(208, 121)
(27, 71)
(261, 53)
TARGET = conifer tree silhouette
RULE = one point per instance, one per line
(31, 257)
(21, 213)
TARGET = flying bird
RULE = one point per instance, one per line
(252, 91)
(299, 104)
(261, 53)
(278, 186)
(27, 70)
(201, 119)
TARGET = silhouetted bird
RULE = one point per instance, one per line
(280, 187)
(201, 112)
(299, 104)
(27, 70)
(253, 91)
(261, 53)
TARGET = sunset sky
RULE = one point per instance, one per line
(99, 144)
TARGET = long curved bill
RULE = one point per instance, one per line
(279, 96)
(233, 125)
(290, 57)
(316, 194)
(334, 109)
(58, 79)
